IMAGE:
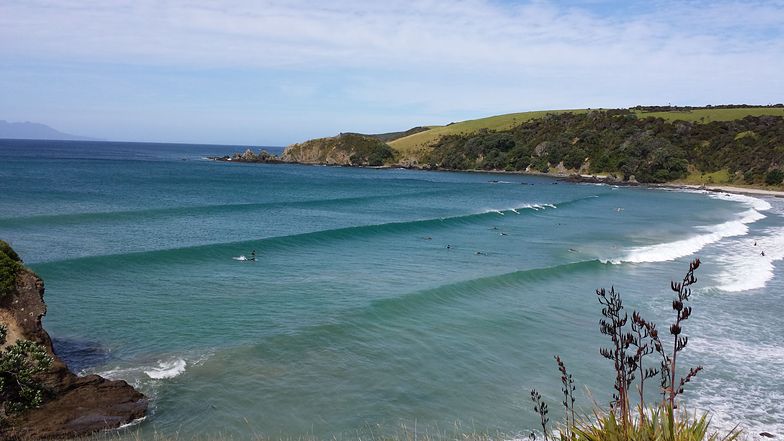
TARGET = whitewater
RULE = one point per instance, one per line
(379, 298)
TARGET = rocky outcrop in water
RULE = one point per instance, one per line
(248, 156)
(72, 405)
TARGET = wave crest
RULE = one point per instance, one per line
(685, 247)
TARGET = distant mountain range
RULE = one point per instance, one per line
(31, 130)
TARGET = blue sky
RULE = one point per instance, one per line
(277, 72)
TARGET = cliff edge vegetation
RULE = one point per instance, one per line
(344, 149)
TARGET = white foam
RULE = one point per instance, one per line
(745, 396)
(140, 374)
(755, 203)
(686, 247)
(167, 369)
(745, 268)
(135, 422)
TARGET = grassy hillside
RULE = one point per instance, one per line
(747, 151)
(412, 143)
(424, 140)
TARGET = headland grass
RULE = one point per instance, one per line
(422, 140)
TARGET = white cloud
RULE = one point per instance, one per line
(438, 57)
(465, 34)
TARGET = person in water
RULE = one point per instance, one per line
(253, 255)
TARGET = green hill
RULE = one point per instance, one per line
(413, 145)
(747, 151)
(741, 145)
(344, 149)
(409, 145)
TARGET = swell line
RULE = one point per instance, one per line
(390, 311)
(151, 213)
(222, 250)
(467, 288)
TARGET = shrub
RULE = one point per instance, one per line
(774, 177)
(9, 266)
(667, 420)
(20, 363)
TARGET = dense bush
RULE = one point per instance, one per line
(20, 363)
(10, 264)
(651, 149)
(774, 177)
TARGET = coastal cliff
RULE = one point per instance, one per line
(344, 149)
(71, 405)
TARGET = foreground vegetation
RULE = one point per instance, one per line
(667, 419)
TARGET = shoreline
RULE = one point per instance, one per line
(573, 178)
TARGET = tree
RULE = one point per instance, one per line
(20, 364)
(10, 263)
(774, 177)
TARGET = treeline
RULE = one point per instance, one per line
(390, 136)
(690, 108)
(618, 142)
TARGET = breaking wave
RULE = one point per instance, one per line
(714, 233)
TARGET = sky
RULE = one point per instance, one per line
(269, 72)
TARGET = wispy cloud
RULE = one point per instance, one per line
(448, 58)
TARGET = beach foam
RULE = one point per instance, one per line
(744, 397)
(714, 233)
(167, 369)
(744, 266)
(142, 374)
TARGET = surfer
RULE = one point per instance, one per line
(449, 247)
(253, 255)
(762, 253)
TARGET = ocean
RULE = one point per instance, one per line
(380, 300)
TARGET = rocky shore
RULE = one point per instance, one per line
(248, 156)
(353, 150)
(72, 406)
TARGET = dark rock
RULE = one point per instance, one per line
(767, 435)
(72, 405)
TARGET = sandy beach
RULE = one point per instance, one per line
(730, 189)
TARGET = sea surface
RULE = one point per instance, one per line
(381, 300)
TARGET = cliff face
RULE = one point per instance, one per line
(344, 149)
(72, 405)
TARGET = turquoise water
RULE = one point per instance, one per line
(379, 298)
